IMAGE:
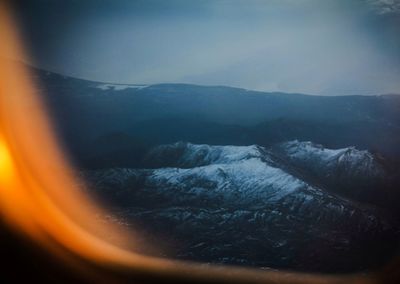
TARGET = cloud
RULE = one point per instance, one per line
(383, 7)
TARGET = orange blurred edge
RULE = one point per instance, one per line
(40, 194)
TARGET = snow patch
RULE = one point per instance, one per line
(118, 87)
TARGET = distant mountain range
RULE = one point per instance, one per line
(248, 189)
(97, 120)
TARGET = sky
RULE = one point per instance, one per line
(328, 47)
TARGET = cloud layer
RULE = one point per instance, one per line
(385, 6)
(332, 47)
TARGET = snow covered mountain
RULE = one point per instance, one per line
(348, 162)
(187, 155)
(295, 205)
(353, 173)
(241, 205)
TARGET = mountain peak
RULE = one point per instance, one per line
(184, 154)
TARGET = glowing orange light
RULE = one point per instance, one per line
(6, 167)
(39, 193)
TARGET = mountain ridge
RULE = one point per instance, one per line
(251, 202)
(45, 72)
(160, 114)
(235, 203)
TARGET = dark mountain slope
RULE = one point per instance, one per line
(85, 111)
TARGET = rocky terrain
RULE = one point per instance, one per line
(245, 205)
